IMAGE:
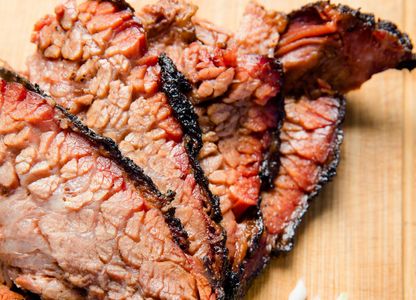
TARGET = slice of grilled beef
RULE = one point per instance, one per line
(328, 46)
(324, 48)
(77, 219)
(239, 125)
(94, 59)
(309, 153)
(310, 139)
(236, 99)
(171, 29)
(311, 133)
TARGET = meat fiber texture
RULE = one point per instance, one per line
(311, 133)
(236, 99)
(310, 138)
(334, 47)
(249, 107)
(324, 49)
(321, 133)
(77, 219)
(219, 95)
(94, 59)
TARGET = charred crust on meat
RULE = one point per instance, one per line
(248, 281)
(408, 64)
(106, 145)
(218, 287)
(26, 294)
(391, 28)
(285, 243)
(178, 232)
(271, 162)
(243, 286)
(10, 76)
(216, 214)
(239, 283)
(368, 21)
(175, 86)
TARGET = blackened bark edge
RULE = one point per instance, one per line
(175, 86)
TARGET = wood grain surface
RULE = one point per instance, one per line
(359, 236)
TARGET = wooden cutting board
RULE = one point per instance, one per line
(359, 236)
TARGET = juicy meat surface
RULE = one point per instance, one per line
(238, 126)
(77, 219)
(328, 46)
(310, 143)
(311, 133)
(323, 48)
(235, 99)
(260, 30)
(225, 89)
(310, 139)
(94, 60)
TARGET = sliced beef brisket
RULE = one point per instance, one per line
(235, 81)
(310, 139)
(311, 132)
(94, 60)
(310, 143)
(324, 48)
(328, 46)
(238, 125)
(236, 99)
(77, 219)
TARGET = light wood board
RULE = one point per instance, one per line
(359, 236)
